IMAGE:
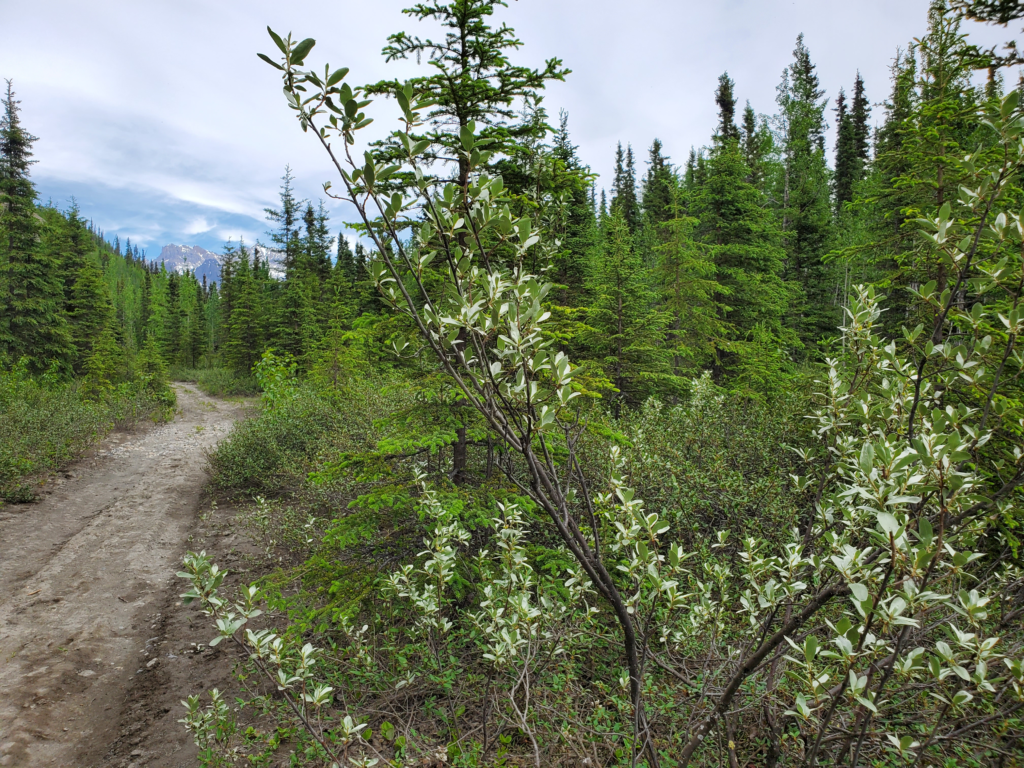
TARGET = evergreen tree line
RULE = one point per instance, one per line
(739, 260)
(73, 304)
(305, 312)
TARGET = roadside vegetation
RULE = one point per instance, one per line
(216, 381)
(507, 519)
(720, 465)
(46, 421)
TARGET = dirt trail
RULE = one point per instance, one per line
(85, 575)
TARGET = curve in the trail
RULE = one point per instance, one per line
(79, 573)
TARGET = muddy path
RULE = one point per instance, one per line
(87, 580)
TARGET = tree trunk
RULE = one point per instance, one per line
(460, 458)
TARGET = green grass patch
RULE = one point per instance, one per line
(217, 382)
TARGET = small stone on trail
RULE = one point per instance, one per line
(86, 673)
(151, 663)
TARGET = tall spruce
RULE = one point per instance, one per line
(852, 142)
(930, 126)
(575, 225)
(244, 341)
(628, 329)
(87, 301)
(757, 145)
(658, 186)
(32, 322)
(473, 81)
(743, 241)
(684, 275)
(726, 101)
(624, 197)
(806, 213)
(318, 240)
(846, 163)
(287, 237)
(860, 113)
(292, 321)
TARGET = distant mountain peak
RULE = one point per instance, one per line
(192, 258)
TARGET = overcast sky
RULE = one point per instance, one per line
(159, 119)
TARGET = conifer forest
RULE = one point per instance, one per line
(718, 461)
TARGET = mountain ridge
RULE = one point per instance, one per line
(204, 263)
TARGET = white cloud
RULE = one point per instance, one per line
(198, 226)
(157, 115)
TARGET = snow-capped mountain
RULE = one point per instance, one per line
(192, 258)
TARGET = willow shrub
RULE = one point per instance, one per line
(883, 627)
(46, 422)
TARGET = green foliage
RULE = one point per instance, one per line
(32, 324)
(104, 366)
(473, 81)
(844, 610)
(691, 296)
(627, 329)
(46, 422)
(805, 211)
(743, 240)
(293, 434)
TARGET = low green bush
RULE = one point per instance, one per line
(45, 423)
(218, 382)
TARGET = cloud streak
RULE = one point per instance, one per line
(184, 138)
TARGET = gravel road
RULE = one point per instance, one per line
(84, 576)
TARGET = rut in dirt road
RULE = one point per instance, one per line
(82, 572)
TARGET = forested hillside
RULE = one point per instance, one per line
(84, 328)
(715, 461)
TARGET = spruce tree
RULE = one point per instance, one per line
(473, 80)
(32, 322)
(852, 143)
(685, 278)
(144, 303)
(244, 344)
(860, 113)
(757, 145)
(846, 164)
(87, 301)
(196, 341)
(726, 101)
(102, 366)
(171, 341)
(624, 198)
(628, 330)
(214, 320)
(658, 187)
(743, 240)
(294, 305)
(806, 213)
(345, 262)
(930, 126)
(575, 227)
(317, 240)
(286, 237)
(91, 311)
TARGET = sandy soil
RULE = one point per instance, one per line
(95, 650)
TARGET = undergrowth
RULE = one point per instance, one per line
(45, 423)
(217, 382)
(332, 532)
